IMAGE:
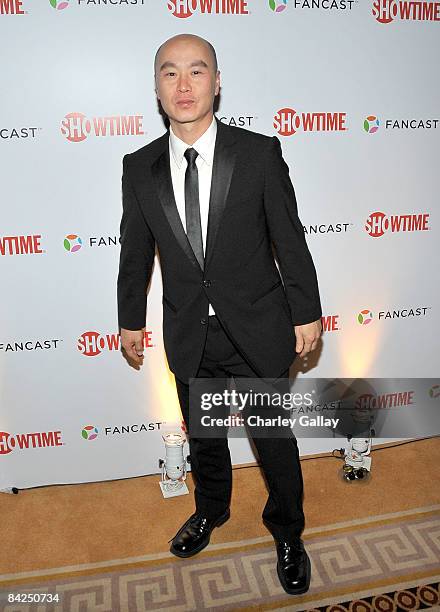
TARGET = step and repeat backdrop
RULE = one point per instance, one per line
(351, 88)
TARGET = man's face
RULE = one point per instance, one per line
(186, 81)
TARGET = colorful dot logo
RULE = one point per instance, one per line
(89, 432)
(371, 124)
(434, 391)
(277, 6)
(365, 317)
(59, 4)
(72, 243)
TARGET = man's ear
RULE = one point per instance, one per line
(155, 88)
(217, 82)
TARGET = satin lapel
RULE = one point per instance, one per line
(162, 177)
(223, 167)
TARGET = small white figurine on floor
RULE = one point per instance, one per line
(173, 467)
(357, 458)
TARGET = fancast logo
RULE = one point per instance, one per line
(185, 8)
(18, 132)
(287, 122)
(365, 317)
(76, 127)
(434, 391)
(29, 345)
(385, 11)
(378, 223)
(326, 228)
(277, 6)
(59, 4)
(92, 343)
(238, 120)
(371, 124)
(326, 5)
(72, 243)
(89, 432)
(129, 428)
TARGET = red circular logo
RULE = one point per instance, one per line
(7, 443)
(181, 8)
(75, 127)
(286, 122)
(377, 224)
(385, 10)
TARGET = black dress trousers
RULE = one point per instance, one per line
(210, 457)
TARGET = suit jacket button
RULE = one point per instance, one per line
(203, 321)
(206, 283)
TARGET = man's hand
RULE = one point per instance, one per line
(307, 337)
(133, 344)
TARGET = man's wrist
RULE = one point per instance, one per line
(307, 318)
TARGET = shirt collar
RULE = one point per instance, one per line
(204, 145)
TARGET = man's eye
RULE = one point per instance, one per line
(197, 72)
(170, 74)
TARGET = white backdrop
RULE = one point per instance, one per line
(72, 410)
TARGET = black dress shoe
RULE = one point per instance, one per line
(194, 535)
(293, 567)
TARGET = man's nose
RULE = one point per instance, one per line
(183, 84)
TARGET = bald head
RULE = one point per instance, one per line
(186, 83)
(184, 38)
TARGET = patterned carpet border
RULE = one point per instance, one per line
(380, 563)
(422, 597)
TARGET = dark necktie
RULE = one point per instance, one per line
(192, 205)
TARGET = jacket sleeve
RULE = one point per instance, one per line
(287, 235)
(136, 259)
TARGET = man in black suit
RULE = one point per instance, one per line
(214, 199)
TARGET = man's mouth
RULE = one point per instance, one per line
(185, 103)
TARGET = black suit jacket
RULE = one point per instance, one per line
(252, 205)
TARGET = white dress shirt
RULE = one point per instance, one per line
(178, 164)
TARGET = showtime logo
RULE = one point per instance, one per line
(288, 122)
(378, 223)
(330, 323)
(43, 439)
(368, 401)
(385, 11)
(76, 127)
(185, 8)
(20, 245)
(12, 7)
(92, 343)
